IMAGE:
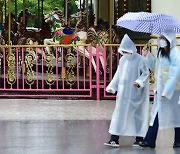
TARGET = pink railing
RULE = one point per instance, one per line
(29, 71)
(64, 71)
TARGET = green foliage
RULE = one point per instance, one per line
(48, 5)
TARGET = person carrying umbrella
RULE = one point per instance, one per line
(165, 112)
(130, 117)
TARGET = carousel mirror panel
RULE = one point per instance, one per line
(123, 6)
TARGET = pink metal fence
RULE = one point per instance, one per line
(58, 71)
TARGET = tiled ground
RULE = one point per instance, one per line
(44, 126)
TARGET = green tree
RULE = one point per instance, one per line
(48, 5)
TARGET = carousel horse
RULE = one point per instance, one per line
(84, 38)
(103, 32)
(57, 19)
(62, 34)
(100, 35)
(23, 33)
(93, 37)
(90, 37)
(79, 36)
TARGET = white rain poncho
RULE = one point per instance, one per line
(167, 77)
(130, 117)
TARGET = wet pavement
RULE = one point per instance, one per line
(44, 126)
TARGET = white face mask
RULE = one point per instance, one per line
(127, 55)
(162, 43)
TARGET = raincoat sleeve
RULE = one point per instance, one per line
(150, 61)
(173, 75)
(113, 85)
(143, 72)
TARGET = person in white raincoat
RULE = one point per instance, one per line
(130, 117)
(166, 110)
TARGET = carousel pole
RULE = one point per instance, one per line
(84, 3)
(24, 7)
(96, 11)
(110, 33)
(38, 14)
(15, 5)
(5, 9)
(80, 4)
(9, 24)
(91, 6)
(66, 11)
(11, 78)
(42, 6)
(1, 14)
(110, 19)
(87, 14)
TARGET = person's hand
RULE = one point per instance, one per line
(136, 84)
(109, 91)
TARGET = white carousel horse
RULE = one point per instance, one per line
(80, 26)
(79, 33)
(79, 36)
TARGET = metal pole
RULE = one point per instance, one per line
(91, 6)
(84, 3)
(66, 12)
(1, 13)
(15, 5)
(110, 19)
(24, 7)
(87, 14)
(38, 13)
(5, 10)
(96, 11)
(110, 31)
(42, 6)
(80, 4)
(9, 23)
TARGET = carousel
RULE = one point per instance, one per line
(59, 53)
(63, 54)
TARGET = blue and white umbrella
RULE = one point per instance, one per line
(146, 22)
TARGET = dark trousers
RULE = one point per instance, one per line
(153, 130)
(116, 138)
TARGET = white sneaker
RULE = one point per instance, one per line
(112, 144)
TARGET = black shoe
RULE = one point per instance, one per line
(112, 144)
(176, 145)
(136, 144)
(145, 144)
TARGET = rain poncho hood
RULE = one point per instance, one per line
(127, 45)
(170, 35)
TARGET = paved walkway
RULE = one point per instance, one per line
(44, 126)
(46, 109)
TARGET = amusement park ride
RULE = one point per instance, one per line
(56, 60)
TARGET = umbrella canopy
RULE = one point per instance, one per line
(146, 22)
